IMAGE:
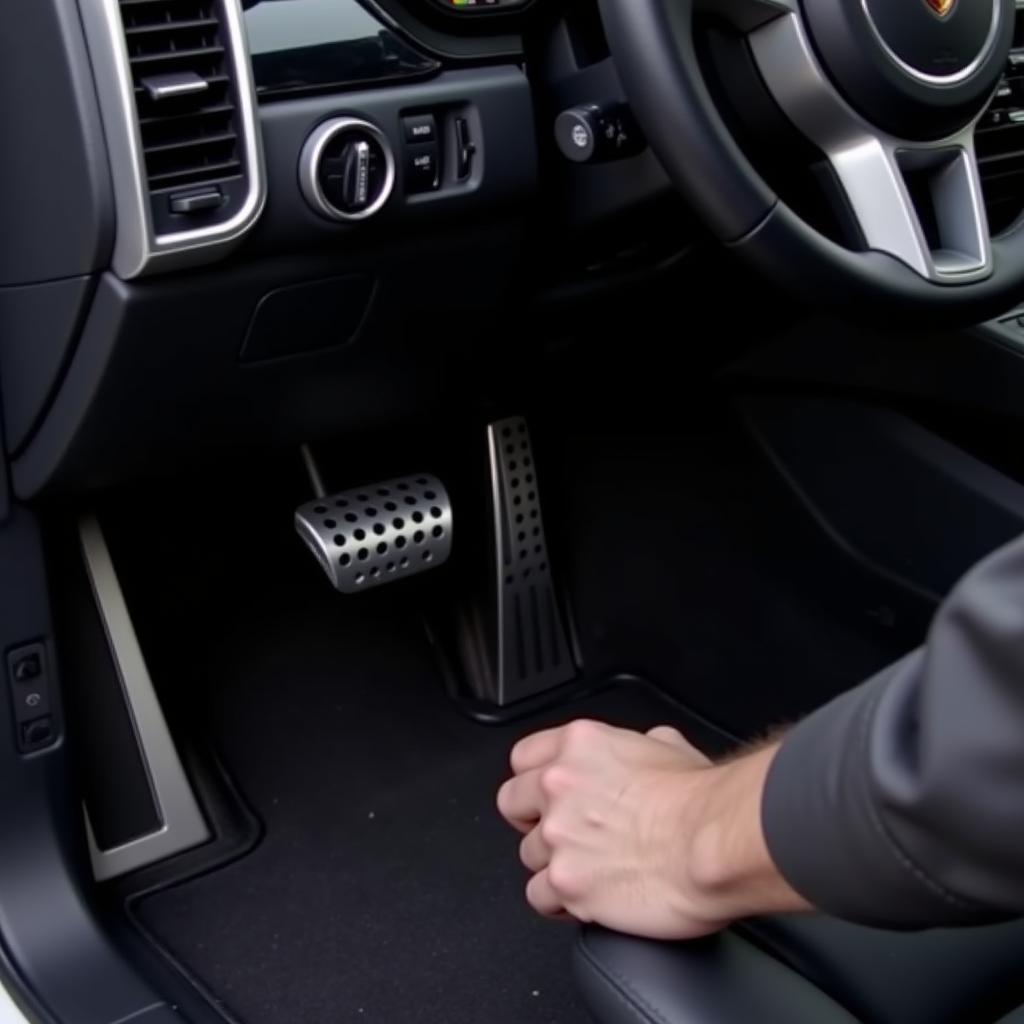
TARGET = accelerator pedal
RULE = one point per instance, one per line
(513, 641)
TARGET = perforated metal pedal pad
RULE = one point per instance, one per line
(533, 651)
(372, 535)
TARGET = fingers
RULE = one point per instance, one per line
(666, 734)
(536, 750)
(542, 897)
(521, 800)
(534, 852)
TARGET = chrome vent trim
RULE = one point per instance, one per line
(138, 249)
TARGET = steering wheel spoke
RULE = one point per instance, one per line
(921, 205)
(919, 202)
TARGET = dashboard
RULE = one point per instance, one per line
(239, 222)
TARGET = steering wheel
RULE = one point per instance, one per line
(889, 92)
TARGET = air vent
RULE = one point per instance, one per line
(183, 93)
(175, 85)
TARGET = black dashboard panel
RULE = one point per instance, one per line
(303, 46)
(301, 326)
(56, 205)
(173, 365)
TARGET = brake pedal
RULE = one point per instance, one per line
(369, 536)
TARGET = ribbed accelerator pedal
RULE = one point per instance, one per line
(533, 652)
(374, 535)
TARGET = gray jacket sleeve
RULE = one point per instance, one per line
(901, 803)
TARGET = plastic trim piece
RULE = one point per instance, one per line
(182, 825)
(137, 248)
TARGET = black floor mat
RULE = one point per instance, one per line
(385, 889)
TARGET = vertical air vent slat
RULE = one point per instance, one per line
(192, 138)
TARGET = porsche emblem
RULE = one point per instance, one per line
(941, 8)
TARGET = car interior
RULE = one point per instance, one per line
(384, 380)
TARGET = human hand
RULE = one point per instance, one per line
(641, 833)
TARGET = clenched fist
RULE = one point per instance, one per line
(641, 833)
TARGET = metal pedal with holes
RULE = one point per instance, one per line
(369, 536)
(515, 644)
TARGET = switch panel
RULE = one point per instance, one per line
(440, 149)
(28, 676)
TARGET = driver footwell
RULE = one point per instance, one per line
(385, 888)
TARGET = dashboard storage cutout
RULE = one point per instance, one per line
(306, 318)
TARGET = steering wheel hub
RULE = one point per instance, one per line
(920, 69)
(937, 41)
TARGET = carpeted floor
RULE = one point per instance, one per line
(386, 889)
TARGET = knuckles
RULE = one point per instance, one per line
(565, 879)
(556, 779)
(582, 732)
(552, 831)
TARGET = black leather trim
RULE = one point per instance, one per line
(939, 976)
(720, 980)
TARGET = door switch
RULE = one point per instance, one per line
(29, 681)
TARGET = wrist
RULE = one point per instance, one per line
(729, 872)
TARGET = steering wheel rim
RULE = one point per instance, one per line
(652, 43)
